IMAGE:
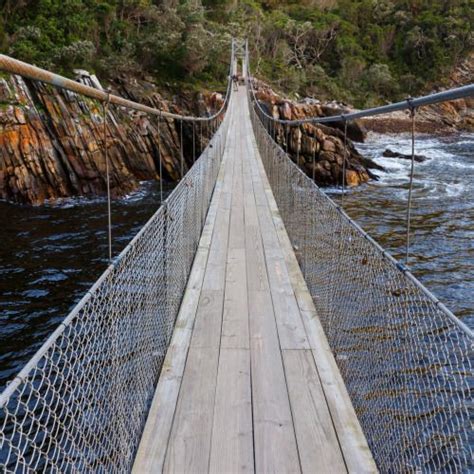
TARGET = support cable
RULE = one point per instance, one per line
(410, 188)
(181, 148)
(105, 111)
(200, 139)
(194, 145)
(159, 157)
(298, 143)
(344, 158)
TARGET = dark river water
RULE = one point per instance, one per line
(50, 255)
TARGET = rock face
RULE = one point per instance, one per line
(52, 141)
(318, 149)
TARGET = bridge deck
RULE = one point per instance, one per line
(249, 383)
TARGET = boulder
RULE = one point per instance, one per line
(353, 178)
(329, 146)
(388, 153)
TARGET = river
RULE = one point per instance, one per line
(442, 223)
(50, 255)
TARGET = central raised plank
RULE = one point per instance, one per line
(249, 384)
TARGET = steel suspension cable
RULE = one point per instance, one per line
(451, 94)
(105, 111)
(194, 145)
(410, 187)
(344, 158)
(160, 160)
(181, 148)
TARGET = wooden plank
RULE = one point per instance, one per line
(215, 274)
(274, 436)
(250, 207)
(232, 439)
(355, 449)
(235, 324)
(190, 440)
(237, 235)
(291, 329)
(208, 324)
(317, 440)
(216, 266)
(153, 444)
(256, 267)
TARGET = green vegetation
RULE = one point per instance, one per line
(361, 51)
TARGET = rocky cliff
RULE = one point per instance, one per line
(52, 141)
(318, 148)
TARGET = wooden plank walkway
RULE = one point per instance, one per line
(249, 383)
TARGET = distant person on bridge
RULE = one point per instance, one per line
(235, 81)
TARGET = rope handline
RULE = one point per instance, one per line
(23, 69)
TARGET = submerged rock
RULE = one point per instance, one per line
(395, 154)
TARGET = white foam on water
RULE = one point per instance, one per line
(455, 189)
(71, 202)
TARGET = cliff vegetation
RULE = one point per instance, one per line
(361, 51)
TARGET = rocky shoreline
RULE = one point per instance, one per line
(317, 148)
(440, 119)
(52, 141)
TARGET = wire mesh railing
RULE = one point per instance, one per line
(81, 403)
(406, 360)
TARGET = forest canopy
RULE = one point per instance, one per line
(361, 51)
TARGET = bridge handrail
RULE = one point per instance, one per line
(402, 268)
(80, 403)
(20, 68)
(108, 341)
(451, 94)
(405, 358)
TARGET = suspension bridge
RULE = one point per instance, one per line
(250, 326)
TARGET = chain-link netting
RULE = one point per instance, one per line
(406, 360)
(81, 403)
